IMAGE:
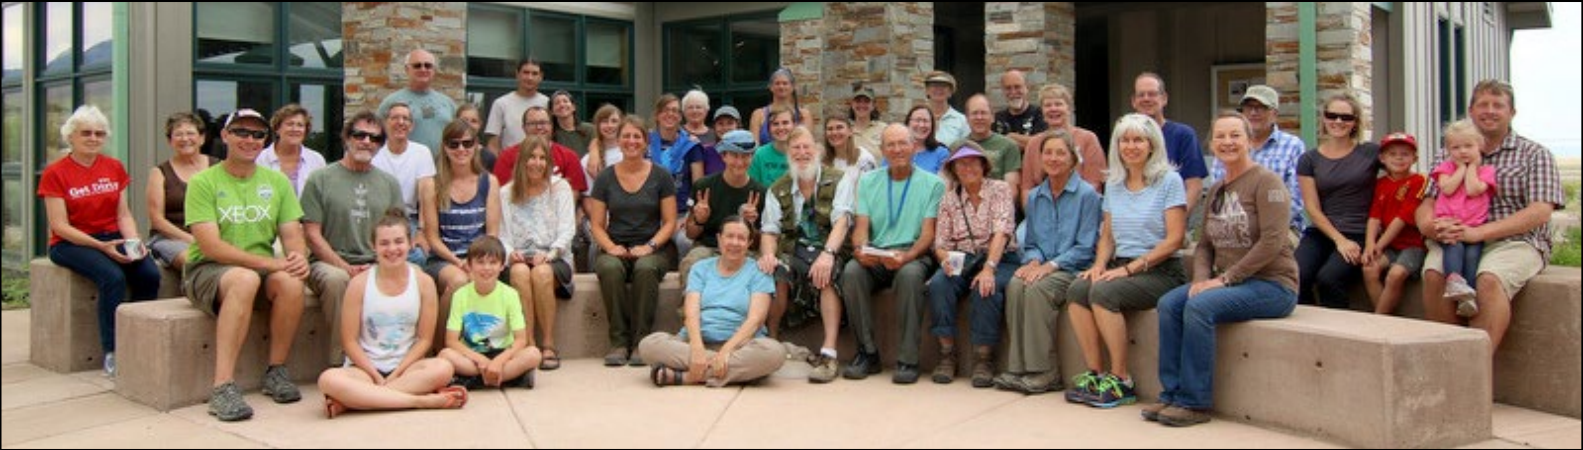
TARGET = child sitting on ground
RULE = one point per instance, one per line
(1394, 249)
(486, 335)
(1466, 187)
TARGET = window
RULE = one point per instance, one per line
(1453, 71)
(71, 61)
(238, 64)
(13, 225)
(730, 58)
(589, 57)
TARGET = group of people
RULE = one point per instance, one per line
(1021, 213)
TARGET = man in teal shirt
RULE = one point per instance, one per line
(896, 211)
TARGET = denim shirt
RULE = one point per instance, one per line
(1063, 230)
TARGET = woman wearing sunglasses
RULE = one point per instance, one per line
(92, 231)
(1337, 183)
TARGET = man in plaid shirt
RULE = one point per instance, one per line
(1277, 150)
(1517, 236)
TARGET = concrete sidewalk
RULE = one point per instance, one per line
(587, 405)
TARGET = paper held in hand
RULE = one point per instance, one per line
(880, 252)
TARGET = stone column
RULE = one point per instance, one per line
(1345, 57)
(377, 37)
(885, 46)
(1037, 38)
(801, 45)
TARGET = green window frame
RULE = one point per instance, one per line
(565, 69)
(278, 74)
(741, 80)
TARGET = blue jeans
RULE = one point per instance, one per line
(1463, 259)
(1187, 334)
(111, 278)
(1322, 268)
(987, 311)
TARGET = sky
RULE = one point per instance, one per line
(1546, 68)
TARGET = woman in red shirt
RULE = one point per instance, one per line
(89, 222)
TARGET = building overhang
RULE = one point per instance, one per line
(1528, 15)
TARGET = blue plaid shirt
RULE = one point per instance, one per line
(1279, 153)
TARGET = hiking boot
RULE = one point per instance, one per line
(635, 361)
(945, 370)
(1039, 383)
(1082, 390)
(905, 373)
(1006, 381)
(825, 369)
(1112, 392)
(1152, 412)
(278, 385)
(983, 368)
(616, 357)
(109, 364)
(1177, 416)
(863, 365)
(226, 403)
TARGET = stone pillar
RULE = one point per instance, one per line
(1037, 38)
(1345, 57)
(801, 42)
(377, 37)
(885, 46)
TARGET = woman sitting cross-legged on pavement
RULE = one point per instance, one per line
(1243, 269)
(387, 325)
(723, 341)
(1145, 219)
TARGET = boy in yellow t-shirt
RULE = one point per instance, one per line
(486, 335)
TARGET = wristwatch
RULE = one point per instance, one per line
(829, 251)
(652, 245)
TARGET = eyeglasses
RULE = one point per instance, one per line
(1341, 117)
(93, 133)
(1253, 109)
(377, 138)
(248, 133)
(536, 123)
(457, 144)
(421, 65)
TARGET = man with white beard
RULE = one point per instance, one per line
(804, 244)
(893, 236)
(340, 205)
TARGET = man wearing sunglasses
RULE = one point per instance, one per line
(340, 205)
(1274, 149)
(236, 210)
(431, 110)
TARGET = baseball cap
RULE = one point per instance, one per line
(728, 111)
(863, 92)
(246, 114)
(1399, 138)
(1264, 95)
(737, 141)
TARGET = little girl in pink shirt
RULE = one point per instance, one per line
(1466, 186)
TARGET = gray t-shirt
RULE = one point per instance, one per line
(348, 204)
(634, 216)
(1346, 185)
(431, 112)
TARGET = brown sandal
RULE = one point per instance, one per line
(552, 359)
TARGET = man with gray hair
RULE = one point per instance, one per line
(893, 236)
(1020, 121)
(431, 110)
(1274, 149)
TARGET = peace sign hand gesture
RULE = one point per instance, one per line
(700, 209)
(750, 210)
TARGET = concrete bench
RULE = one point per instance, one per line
(165, 352)
(65, 316)
(1540, 364)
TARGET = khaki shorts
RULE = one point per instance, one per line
(1514, 262)
(201, 282)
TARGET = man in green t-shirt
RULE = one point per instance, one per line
(236, 210)
(340, 205)
(769, 161)
(896, 211)
(722, 195)
(1005, 157)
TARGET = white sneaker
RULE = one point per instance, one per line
(109, 364)
(1457, 289)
